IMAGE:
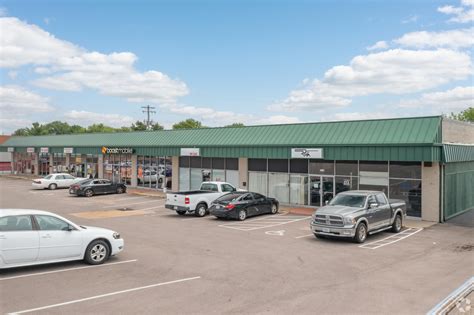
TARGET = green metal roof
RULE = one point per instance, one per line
(458, 153)
(386, 132)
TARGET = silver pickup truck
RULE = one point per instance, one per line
(356, 214)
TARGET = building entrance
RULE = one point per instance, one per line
(321, 189)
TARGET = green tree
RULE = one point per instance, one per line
(188, 124)
(465, 115)
(99, 128)
(21, 132)
(235, 125)
(138, 126)
(157, 126)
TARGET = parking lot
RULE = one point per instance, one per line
(267, 264)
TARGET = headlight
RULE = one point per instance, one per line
(116, 235)
(349, 221)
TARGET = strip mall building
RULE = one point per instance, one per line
(426, 161)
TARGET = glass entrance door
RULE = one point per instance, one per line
(321, 189)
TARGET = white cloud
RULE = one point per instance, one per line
(7, 125)
(276, 120)
(458, 98)
(361, 116)
(395, 71)
(380, 45)
(19, 101)
(13, 74)
(72, 68)
(456, 39)
(411, 19)
(462, 14)
(88, 118)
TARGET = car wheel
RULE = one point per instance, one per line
(52, 186)
(89, 193)
(397, 224)
(242, 215)
(181, 212)
(120, 190)
(274, 208)
(361, 233)
(201, 210)
(97, 252)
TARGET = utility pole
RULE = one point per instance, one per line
(148, 110)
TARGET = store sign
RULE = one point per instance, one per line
(44, 150)
(11, 149)
(30, 150)
(189, 151)
(106, 150)
(68, 150)
(305, 153)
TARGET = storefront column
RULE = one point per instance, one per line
(51, 163)
(12, 163)
(68, 160)
(175, 173)
(430, 185)
(243, 173)
(100, 165)
(35, 164)
(133, 181)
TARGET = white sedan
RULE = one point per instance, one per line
(53, 181)
(33, 237)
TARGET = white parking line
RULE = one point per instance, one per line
(68, 269)
(105, 295)
(308, 235)
(391, 239)
(262, 223)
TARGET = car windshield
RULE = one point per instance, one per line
(229, 198)
(48, 177)
(209, 187)
(356, 201)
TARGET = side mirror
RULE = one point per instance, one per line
(373, 205)
(326, 202)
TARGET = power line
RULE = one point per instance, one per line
(148, 110)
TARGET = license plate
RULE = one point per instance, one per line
(326, 230)
(71, 191)
(218, 207)
(175, 207)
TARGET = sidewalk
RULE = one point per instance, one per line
(22, 176)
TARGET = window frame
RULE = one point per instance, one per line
(33, 226)
(35, 217)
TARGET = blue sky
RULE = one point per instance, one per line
(255, 62)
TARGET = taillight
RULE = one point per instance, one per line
(230, 206)
(186, 200)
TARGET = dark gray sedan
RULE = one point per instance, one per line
(241, 205)
(91, 187)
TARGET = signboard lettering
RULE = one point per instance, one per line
(11, 149)
(30, 150)
(44, 150)
(106, 150)
(190, 152)
(306, 153)
(68, 150)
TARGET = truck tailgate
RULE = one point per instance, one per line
(175, 199)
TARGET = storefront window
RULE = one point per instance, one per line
(298, 189)
(405, 170)
(373, 166)
(345, 183)
(278, 187)
(258, 165)
(258, 182)
(59, 163)
(321, 167)
(299, 166)
(278, 165)
(410, 192)
(349, 168)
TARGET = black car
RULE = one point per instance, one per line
(91, 187)
(241, 205)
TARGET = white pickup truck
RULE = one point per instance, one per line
(197, 201)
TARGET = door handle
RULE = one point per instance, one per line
(46, 236)
(3, 237)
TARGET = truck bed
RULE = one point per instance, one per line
(191, 192)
